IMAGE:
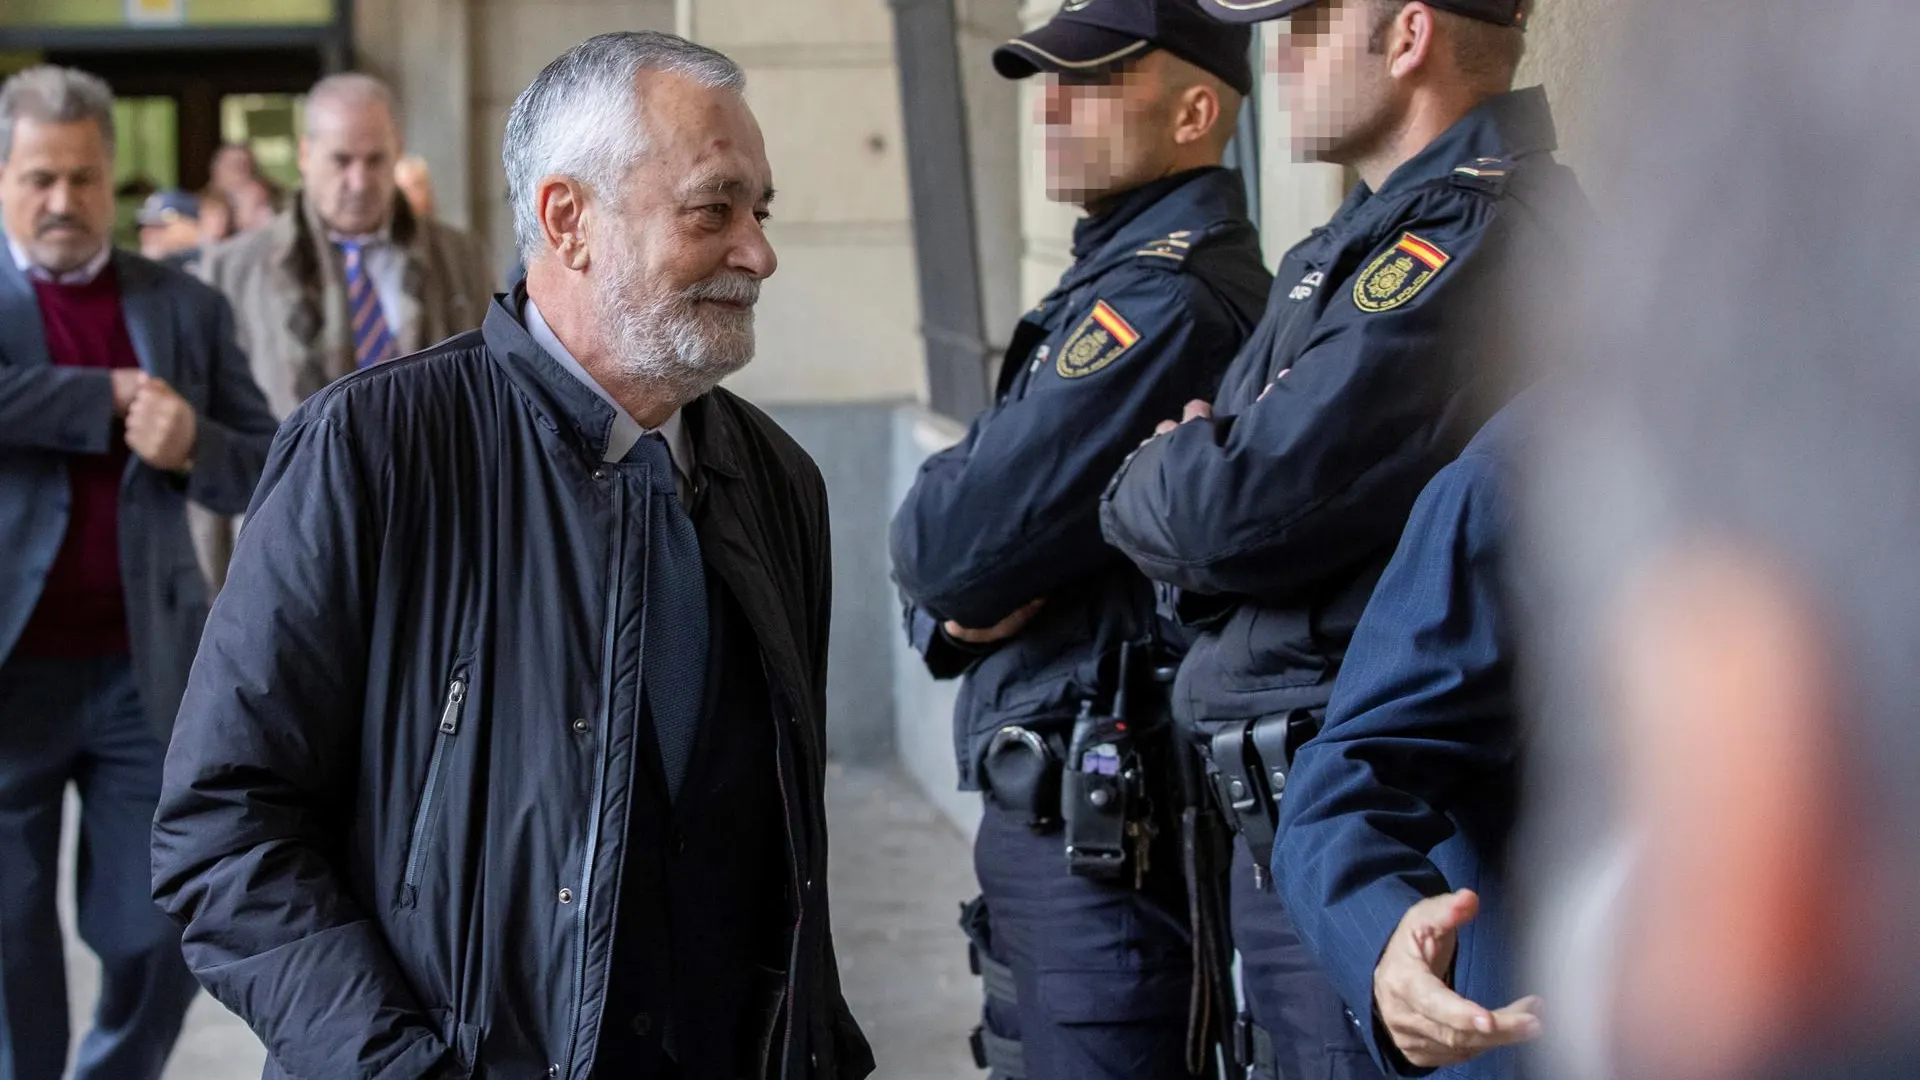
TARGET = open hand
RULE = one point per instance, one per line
(1432, 1025)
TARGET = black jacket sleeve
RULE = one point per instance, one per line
(1318, 475)
(1011, 515)
(254, 807)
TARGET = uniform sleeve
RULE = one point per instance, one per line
(237, 428)
(256, 800)
(1421, 717)
(1011, 514)
(1317, 477)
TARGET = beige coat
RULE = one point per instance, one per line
(289, 294)
(288, 288)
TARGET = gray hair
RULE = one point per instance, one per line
(350, 88)
(580, 116)
(54, 95)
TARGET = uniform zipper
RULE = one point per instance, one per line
(423, 818)
(617, 559)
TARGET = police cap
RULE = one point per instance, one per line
(1091, 36)
(1498, 12)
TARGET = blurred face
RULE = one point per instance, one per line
(216, 220)
(253, 206)
(1106, 132)
(1337, 93)
(56, 192)
(677, 265)
(169, 238)
(416, 185)
(346, 164)
(232, 167)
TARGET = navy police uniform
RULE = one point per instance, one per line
(1164, 285)
(1269, 525)
(1085, 977)
(1409, 791)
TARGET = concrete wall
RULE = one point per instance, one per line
(839, 322)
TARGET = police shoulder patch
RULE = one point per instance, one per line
(1100, 339)
(1399, 274)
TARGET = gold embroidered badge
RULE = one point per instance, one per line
(1399, 274)
(1098, 341)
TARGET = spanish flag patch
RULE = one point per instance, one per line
(1100, 339)
(1399, 274)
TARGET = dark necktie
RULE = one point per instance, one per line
(674, 654)
(372, 340)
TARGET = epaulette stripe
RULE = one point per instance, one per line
(1174, 255)
(1483, 173)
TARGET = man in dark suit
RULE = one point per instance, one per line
(1393, 832)
(122, 398)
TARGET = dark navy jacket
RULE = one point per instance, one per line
(1273, 521)
(1011, 513)
(396, 807)
(1409, 791)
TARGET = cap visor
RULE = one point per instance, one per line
(1252, 11)
(1062, 46)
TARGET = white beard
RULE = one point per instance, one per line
(670, 340)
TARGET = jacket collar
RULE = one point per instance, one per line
(1512, 125)
(1190, 201)
(579, 413)
(1096, 230)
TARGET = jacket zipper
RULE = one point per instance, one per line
(423, 818)
(793, 867)
(617, 559)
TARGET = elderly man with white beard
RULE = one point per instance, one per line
(503, 752)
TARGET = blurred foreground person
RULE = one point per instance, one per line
(1730, 514)
(504, 752)
(1391, 856)
(1269, 515)
(1082, 935)
(347, 276)
(170, 228)
(123, 399)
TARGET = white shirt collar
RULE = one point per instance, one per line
(626, 430)
(83, 276)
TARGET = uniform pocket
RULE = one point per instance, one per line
(452, 712)
(1115, 995)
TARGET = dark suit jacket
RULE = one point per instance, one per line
(1409, 791)
(182, 331)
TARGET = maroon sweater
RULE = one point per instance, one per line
(82, 610)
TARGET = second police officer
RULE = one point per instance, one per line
(1268, 516)
(997, 548)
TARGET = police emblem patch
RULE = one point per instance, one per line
(1100, 339)
(1399, 274)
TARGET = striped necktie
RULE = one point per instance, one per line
(372, 341)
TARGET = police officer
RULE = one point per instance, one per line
(997, 547)
(1268, 516)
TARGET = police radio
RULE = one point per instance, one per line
(1103, 797)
